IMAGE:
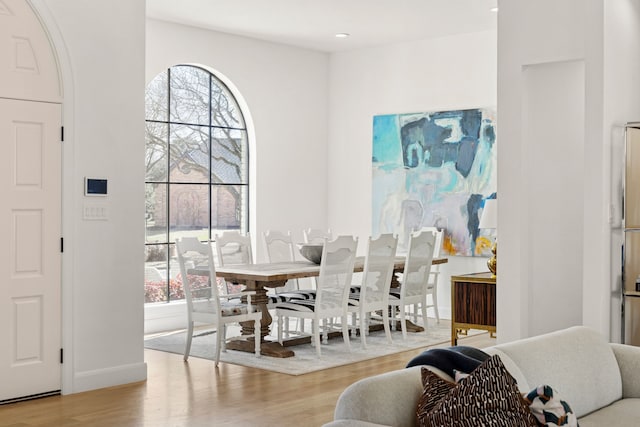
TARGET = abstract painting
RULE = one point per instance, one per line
(435, 169)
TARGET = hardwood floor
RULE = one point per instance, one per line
(196, 394)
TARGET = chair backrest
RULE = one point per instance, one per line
(418, 264)
(278, 245)
(279, 248)
(313, 235)
(194, 254)
(378, 269)
(336, 270)
(439, 236)
(234, 248)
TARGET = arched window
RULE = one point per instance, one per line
(197, 167)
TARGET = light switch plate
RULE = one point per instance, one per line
(95, 212)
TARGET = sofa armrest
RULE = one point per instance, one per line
(388, 399)
(385, 399)
(628, 358)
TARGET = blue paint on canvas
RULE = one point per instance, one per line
(434, 169)
(385, 132)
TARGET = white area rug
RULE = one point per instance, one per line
(335, 353)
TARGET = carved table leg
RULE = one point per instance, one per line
(260, 300)
(268, 348)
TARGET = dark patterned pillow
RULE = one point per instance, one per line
(549, 409)
(489, 396)
(434, 390)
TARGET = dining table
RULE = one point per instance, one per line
(263, 276)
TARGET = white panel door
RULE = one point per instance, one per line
(30, 258)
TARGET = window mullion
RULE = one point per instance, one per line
(210, 156)
(168, 187)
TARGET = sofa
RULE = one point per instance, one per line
(599, 380)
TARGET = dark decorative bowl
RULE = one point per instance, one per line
(312, 252)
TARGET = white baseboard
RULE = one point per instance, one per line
(100, 378)
(164, 317)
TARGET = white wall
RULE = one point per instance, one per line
(100, 47)
(530, 37)
(575, 287)
(285, 90)
(553, 167)
(440, 74)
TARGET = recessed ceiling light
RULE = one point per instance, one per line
(494, 9)
(342, 35)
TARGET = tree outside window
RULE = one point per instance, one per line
(196, 170)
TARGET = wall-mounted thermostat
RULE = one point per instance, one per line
(95, 187)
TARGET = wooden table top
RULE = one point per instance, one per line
(279, 271)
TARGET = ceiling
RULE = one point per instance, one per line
(312, 24)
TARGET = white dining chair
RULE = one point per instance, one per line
(415, 277)
(332, 293)
(316, 236)
(434, 275)
(376, 281)
(279, 248)
(204, 302)
(233, 248)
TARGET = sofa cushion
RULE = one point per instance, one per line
(489, 396)
(628, 357)
(578, 362)
(623, 413)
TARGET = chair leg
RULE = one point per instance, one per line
(424, 315)
(280, 328)
(364, 328)
(387, 326)
(403, 322)
(325, 331)
(224, 338)
(286, 327)
(434, 299)
(257, 336)
(345, 331)
(316, 335)
(313, 328)
(187, 347)
(366, 322)
(392, 310)
(220, 338)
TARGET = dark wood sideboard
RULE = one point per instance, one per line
(473, 304)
